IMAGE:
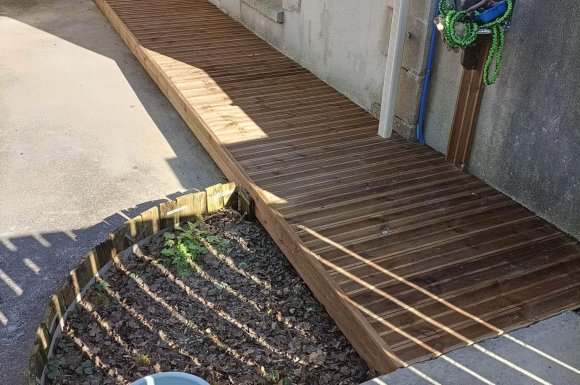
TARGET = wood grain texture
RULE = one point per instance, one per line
(410, 256)
(469, 97)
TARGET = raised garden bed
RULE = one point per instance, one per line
(237, 313)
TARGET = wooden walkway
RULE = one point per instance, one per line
(410, 256)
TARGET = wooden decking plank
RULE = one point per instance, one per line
(346, 180)
(296, 161)
(248, 88)
(390, 185)
(293, 134)
(378, 194)
(410, 264)
(323, 171)
(288, 121)
(263, 148)
(521, 315)
(370, 205)
(267, 116)
(234, 73)
(405, 216)
(288, 131)
(434, 239)
(441, 229)
(448, 282)
(411, 205)
(478, 304)
(381, 236)
(359, 217)
(267, 100)
(294, 106)
(311, 155)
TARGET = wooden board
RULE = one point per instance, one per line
(467, 106)
(410, 256)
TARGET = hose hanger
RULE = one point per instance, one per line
(461, 21)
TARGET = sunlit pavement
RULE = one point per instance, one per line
(86, 139)
(544, 353)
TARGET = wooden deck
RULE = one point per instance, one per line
(410, 256)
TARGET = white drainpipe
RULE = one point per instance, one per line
(393, 71)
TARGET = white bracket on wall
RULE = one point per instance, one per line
(393, 70)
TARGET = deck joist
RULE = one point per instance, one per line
(410, 256)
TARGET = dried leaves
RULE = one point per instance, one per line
(244, 317)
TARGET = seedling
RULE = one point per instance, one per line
(102, 286)
(65, 346)
(85, 368)
(142, 360)
(53, 368)
(273, 376)
(185, 246)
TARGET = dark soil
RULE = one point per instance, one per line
(241, 318)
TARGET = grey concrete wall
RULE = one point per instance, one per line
(527, 141)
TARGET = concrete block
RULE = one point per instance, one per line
(406, 130)
(272, 9)
(409, 97)
(422, 9)
(265, 27)
(291, 5)
(375, 109)
(416, 45)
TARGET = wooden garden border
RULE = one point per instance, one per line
(121, 242)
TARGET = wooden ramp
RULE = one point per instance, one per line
(410, 256)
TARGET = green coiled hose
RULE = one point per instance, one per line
(451, 17)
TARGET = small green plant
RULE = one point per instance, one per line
(185, 246)
(85, 368)
(102, 286)
(100, 300)
(273, 376)
(65, 346)
(221, 245)
(53, 368)
(142, 360)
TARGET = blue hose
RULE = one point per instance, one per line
(428, 71)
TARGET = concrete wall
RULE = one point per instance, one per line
(527, 142)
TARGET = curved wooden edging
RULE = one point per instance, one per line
(98, 261)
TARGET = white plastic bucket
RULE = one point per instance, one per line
(170, 378)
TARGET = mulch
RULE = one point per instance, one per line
(240, 317)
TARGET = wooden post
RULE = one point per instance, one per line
(468, 103)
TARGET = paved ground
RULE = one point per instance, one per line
(85, 136)
(544, 353)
